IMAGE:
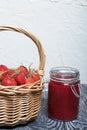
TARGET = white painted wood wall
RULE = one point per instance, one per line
(61, 26)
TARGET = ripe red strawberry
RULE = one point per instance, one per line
(23, 69)
(8, 81)
(20, 78)
(36, 77)
(9, 73)
(3, 68)
(29, 80)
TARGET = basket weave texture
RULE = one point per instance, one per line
(21, 104)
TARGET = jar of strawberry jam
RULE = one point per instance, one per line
(63, 93)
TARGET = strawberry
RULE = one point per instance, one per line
(3, 68)
(29, 80)
(20, 78)
(32, 76)
(36, 77)
(23, 69)
(9, 73)
(8, 81)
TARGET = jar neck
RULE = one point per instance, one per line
(64, 74)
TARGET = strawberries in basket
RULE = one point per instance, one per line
(19, 76)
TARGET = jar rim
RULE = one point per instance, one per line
(64, 74)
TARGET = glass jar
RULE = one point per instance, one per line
(63, 93)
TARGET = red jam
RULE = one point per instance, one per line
(63, 101)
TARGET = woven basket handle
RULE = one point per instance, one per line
(34, 39)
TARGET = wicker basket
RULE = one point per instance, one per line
(21, 104)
